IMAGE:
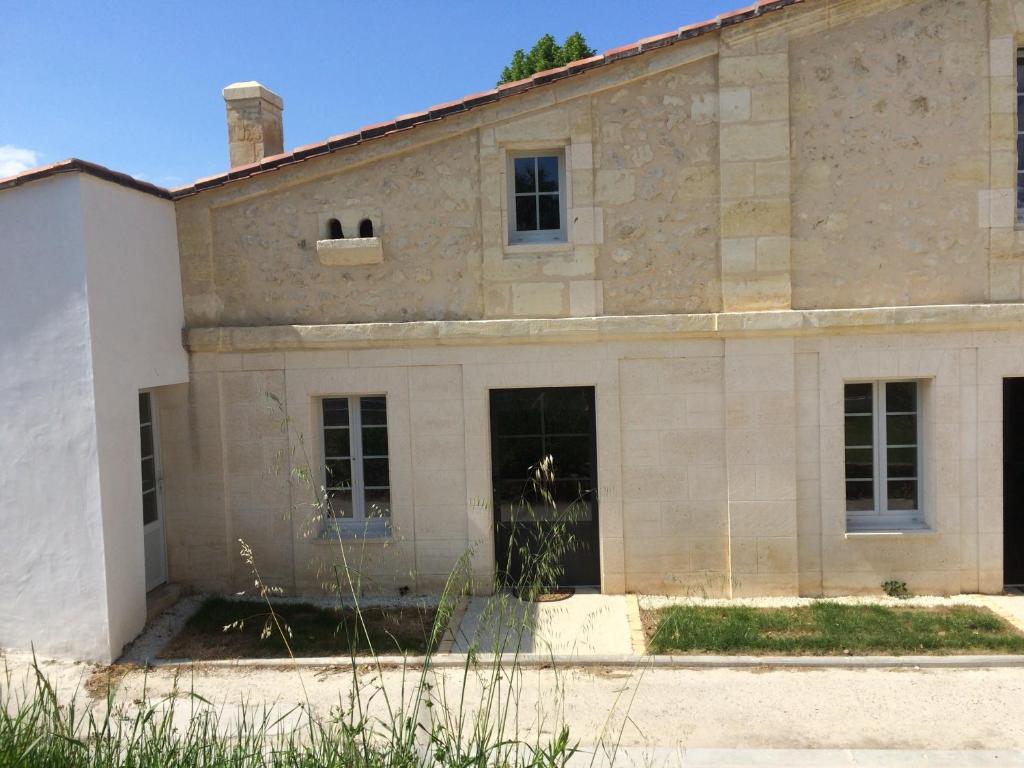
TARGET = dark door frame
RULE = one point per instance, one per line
(588, 556)
(1013, 481)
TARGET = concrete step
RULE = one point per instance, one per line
(162, 598)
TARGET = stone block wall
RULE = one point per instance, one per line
(675, 506)
(720, 460)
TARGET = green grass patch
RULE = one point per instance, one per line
(244, 629)
(824, 628)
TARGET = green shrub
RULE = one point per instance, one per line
(895, 588)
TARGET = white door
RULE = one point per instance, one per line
(152, 517)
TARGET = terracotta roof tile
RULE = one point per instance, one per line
(582, 64)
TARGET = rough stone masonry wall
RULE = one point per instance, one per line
(656, 154)
(997, 204)
(890, 152)
(642, 202)
(836, 155)
(253, 261)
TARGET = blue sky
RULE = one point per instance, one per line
(136, 85)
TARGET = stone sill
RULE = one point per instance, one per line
(531, 249)
(882, 533)
(350, 252)
(332, 534)
(816, 322)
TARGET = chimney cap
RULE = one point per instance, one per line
(251, 89)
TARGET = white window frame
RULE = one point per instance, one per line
(154, 457)
(359, 525)
(880, 518)
(537, 236)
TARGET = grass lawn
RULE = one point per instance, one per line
(315, 631)
(829, 628)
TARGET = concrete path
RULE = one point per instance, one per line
(671, 709)
(584, 624)
(630, 757)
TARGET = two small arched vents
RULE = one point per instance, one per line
(335, 232)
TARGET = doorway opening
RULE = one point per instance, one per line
(545, 510)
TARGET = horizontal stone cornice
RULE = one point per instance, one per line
(806, 322)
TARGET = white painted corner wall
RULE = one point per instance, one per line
(90, 301)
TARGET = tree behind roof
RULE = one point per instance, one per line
(545, 54)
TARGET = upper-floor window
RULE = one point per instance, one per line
(536, 194)
(1020, 136)
(883, 455)
(356, 474)
(334, 231)
(366, 228)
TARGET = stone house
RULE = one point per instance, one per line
(755, 284)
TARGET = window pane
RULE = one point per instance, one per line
(860, 496)
(525, 181)
(550, 218)
(146, 439)
(145, 409)
(375, 441)
(517, 412)
(148, 474)
(336, 443)
(1020, 152)
(901, 397)
(572, 457)
(859, 431)
(149, 511)
(860, 463)
(373, 410)
(339, 503)
(336, 412)
(902, 462)
(902, 495)
(567, 411)
(858, 398)
(338, 473)
(517, 454)
(901, 430)
(375, 472)
(378, 502)
(547, 174)
(526, 213)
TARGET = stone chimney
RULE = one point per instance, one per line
(255, 129)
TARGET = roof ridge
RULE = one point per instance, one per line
(466, 103)
(73, 165)
(409, 120)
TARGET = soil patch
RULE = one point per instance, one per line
(246, 629)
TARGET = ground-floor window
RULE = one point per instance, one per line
(356, 474)
(883, 455)
(152, 525)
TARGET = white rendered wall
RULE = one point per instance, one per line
(135, 317)
(52, 580)
(90, 304)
